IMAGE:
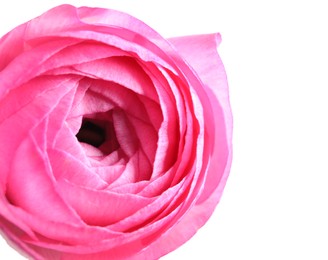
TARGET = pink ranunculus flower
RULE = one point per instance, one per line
(115, 143)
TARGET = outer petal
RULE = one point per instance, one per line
(11, 44)
(201, 52)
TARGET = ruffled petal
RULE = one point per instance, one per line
(202, 53)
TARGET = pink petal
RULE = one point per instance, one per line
(79, 53)
(124, 71)
(30, 180)
(101, 207)
(210, 69)
(23, 117)
(29, 64)
(67, 143)
(206, 48)
(66, 167)
(11, 45)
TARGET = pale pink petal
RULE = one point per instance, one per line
(67, 143)
(66, 167)
(147, 137)
(109, 173)
(57, 117)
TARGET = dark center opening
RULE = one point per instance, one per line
(99, 132)
(91, 133)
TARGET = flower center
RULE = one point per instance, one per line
(91, 133)
(99, 132)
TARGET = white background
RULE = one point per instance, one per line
(276, 56)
